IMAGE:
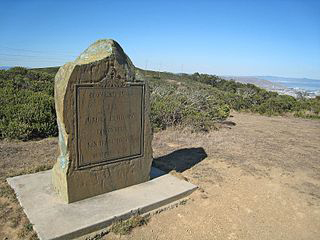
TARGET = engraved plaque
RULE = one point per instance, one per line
(109, 124)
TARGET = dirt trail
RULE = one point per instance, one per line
(259, 178)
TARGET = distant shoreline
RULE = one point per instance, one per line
(290, 86)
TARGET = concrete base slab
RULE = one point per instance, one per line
(53, 219)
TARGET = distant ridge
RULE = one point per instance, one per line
(4, 67)
(300, 83)
(52, 70)
(281, 79)
(271, 83)
(274, 82)
(263, 83)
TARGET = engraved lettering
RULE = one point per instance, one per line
(109, 124)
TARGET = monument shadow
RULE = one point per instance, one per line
(180, 160)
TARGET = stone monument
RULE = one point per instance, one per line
(103, 120)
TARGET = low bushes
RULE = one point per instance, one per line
(200, 109)
(277, 105)
(27, 104)
(197, 100)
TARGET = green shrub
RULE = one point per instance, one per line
(27, 104)
(31, 116)
(15, 129)
(192, 106)
(277, 105)
(308, 108)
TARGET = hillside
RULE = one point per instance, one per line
(50, 70)
(260, 82)
(197, 101)
(256, 162)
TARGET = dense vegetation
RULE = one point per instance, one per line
(27, 104)
(197, 100)
(250, 97)
(201, 99)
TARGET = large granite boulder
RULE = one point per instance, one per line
(103, 120)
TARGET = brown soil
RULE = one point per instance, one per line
(18, 158)
(258, 178)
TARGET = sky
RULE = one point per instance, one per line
(222, 37)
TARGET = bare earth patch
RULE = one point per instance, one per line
(18, 158)
(259, 178)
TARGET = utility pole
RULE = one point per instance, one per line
(181, 71)
(146, 66)
(159, 69)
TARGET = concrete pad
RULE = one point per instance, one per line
(53, 219)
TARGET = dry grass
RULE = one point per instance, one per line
(21, 158)
(256, 144)
(259, 178)
(125, 227)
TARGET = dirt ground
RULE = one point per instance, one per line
(258, 178)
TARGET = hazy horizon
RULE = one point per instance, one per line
(225, 75)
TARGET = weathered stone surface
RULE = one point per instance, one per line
(103, 120)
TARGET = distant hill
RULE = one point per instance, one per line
(277, 83)
(304, 83)
(272, 83)
(258, 81)
(4, 67)
(52, 70)
(266, 82)
(286, 79)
